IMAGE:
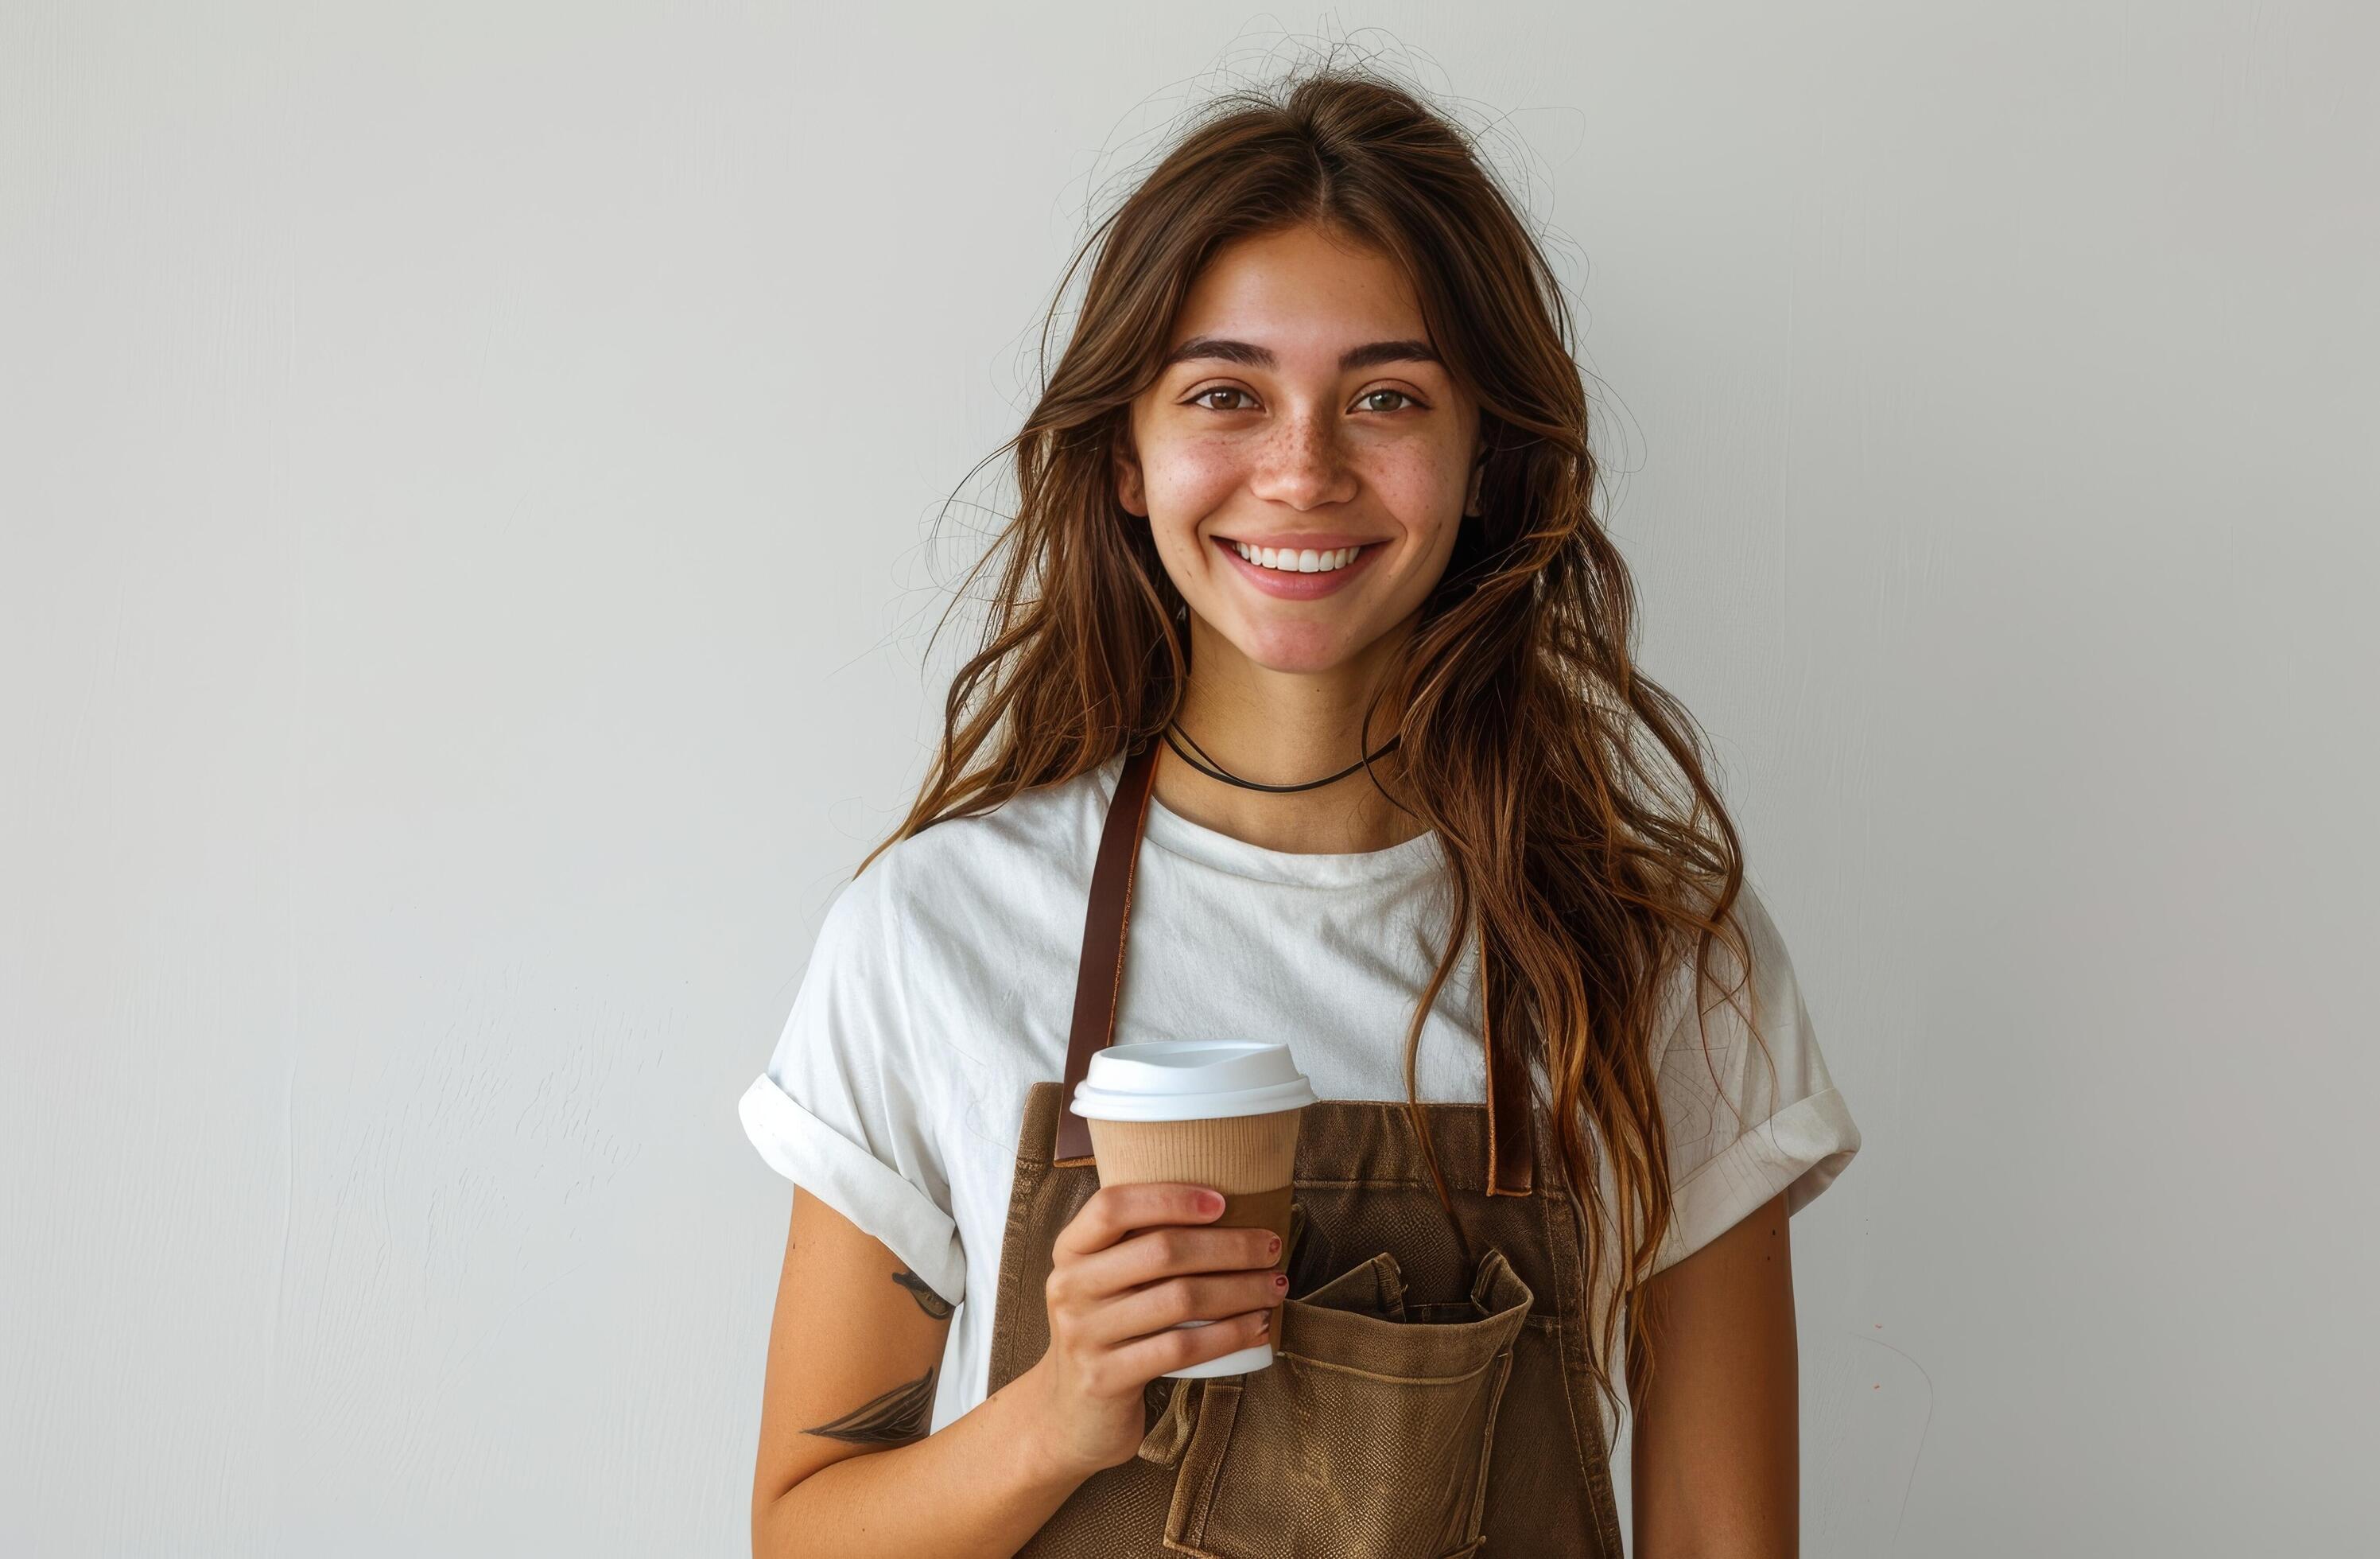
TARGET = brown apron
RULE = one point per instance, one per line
(1429, 1397)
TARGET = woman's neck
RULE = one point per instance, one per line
(1278, 728)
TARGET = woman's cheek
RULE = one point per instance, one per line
(1201, 475)
(1183, 494)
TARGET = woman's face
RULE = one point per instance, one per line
(1301, 418)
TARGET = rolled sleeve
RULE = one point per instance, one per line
(1747, 1116)
(849, 1105)
(853, 1181)
(1798, 1151)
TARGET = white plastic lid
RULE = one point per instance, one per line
(1190, 1080)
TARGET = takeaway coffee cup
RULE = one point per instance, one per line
(1219, 1112)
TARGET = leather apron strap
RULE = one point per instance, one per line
(1099, 978)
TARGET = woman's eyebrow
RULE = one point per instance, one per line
(1249, 355)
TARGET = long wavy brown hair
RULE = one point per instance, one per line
(1582, 866)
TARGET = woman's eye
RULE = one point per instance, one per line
(1206, 398)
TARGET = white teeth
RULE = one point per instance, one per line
(1295, 561)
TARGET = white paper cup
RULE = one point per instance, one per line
(1219, 1112)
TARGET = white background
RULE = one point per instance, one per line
(470, 476)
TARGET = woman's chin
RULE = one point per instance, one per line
(1296, 649)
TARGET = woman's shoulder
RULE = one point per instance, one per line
(1041, 839)
(1747, 911)
(1726, 989)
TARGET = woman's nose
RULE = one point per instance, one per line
(1303, 464)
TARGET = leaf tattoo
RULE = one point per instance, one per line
(897, 1417)
(933, 1304)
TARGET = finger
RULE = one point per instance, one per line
(1143, 1311)
(1114, 1211)
(1150, 1256)
(1173, 1349)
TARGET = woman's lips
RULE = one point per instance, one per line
(1291, 586)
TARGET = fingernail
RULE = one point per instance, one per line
(1272, 1247)
(1280, 1280)
(1211, 1201)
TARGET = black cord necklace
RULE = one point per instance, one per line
(1218, 771)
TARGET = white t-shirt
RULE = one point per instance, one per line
(942, 985)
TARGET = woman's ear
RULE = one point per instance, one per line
(1129, 491)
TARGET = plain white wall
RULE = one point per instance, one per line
(467, 480)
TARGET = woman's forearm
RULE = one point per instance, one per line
(975, 1489)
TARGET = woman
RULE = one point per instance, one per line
(1305, 614)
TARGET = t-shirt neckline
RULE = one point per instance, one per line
(1169, 831)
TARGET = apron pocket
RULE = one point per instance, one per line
(1367, 1437)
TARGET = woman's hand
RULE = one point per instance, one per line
(1128, 1266)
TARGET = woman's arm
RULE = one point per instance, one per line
(1715, 1469)
(845, 1465)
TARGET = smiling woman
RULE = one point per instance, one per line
(1309, 494)
(1303, 385)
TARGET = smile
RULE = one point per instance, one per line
(1297, 573)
